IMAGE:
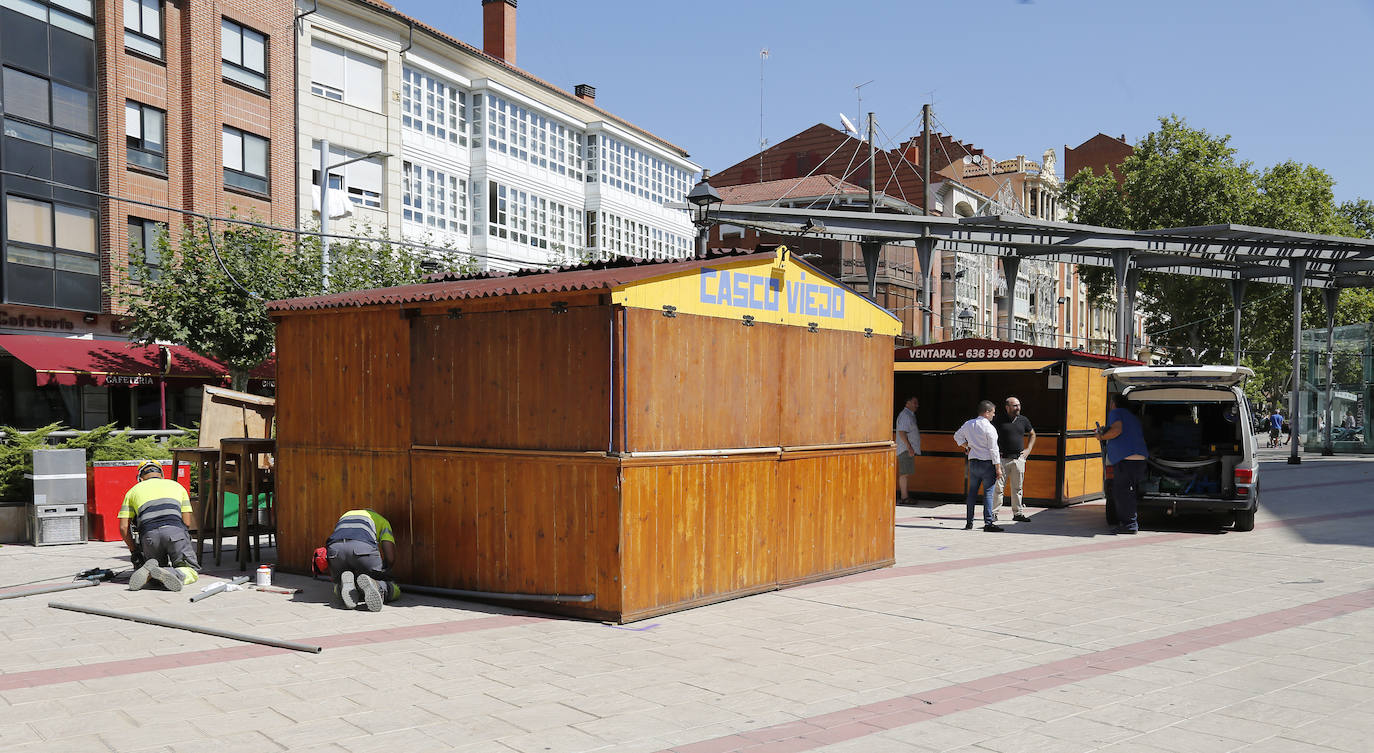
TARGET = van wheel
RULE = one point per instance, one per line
(1245, 521)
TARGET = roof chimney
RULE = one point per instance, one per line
(498, 29)
(586, 93)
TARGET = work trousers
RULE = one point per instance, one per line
(171, 546)
(1126, 480)
(982, 474)
(359, 558)
(1013, 471)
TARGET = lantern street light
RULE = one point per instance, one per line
(701, 197)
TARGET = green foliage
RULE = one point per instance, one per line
(103, 443)
(1185, 177)
(194, 301)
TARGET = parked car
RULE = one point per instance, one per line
(1197, 426)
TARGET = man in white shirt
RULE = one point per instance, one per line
(978, 438)
(908, 438)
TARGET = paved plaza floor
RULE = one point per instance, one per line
(1052, 636)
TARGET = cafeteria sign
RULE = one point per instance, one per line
(777, 291)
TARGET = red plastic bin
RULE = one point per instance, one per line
(107, 483)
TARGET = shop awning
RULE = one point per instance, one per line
(945, 367)
(68, 361)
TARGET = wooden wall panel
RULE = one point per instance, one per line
(697, 530)
(316, 486)
(697, 382)
(837, 388)
(1073, 478)
(835, 513)
(519, 523)
(1078, 415)
(527, 379)
(937, 474)
(343, 380)
(1097, 398)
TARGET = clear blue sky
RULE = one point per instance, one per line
(1286, 80)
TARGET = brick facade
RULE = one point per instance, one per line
(1101, 153)
(189, 86)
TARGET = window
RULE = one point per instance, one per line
(144, 130)
(243, 55)
(145, 256)
(345, 76)
(245, 160)
(634, 171)
(434, 199)
(143, 26)
(530, 137)
(361, 181)
(57, 15)
(434, 108)
(50, 254)
(527, 219)
(27, 96)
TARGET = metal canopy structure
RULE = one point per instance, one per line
(1235, 253)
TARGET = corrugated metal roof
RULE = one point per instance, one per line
(603, 276)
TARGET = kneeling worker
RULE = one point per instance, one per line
(361, 550)
(162, 511)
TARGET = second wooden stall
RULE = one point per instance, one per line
(655, 435)
(1062, 392)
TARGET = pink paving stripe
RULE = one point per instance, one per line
(859, 721)
(39, 677)
(1062, 551)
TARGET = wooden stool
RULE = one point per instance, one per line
(206, 504)
(239, 473)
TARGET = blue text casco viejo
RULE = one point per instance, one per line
(765, 293)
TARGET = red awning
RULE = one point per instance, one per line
(68, 361)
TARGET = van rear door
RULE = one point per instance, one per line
(1193, 376)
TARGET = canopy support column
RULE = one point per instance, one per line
(1132, 282)
(1330, 296)
(1011, 266)
(1121, 262)
(870, 251)
(1237, 297)
(1294, 408)
(925, 248)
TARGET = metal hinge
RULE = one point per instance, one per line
(669, 311)
(560, 307)
(748, 320)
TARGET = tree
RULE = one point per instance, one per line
(211, 297)
(1185, 177)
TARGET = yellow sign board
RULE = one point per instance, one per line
(777, 291)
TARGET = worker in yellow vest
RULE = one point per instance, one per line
(161, 510)
(361, 549)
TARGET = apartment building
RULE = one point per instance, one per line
(471, 152)
(187, 105)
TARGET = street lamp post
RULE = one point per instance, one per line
(701, 197)
(325, 167)
(966, 318)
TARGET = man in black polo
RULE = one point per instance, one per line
(1012, 428)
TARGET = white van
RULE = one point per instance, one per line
(1198, 429)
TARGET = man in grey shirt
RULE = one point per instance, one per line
(908, 439)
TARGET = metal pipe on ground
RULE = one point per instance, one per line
(220, 587)
(50, 589)
(187, 626)
(459, 593)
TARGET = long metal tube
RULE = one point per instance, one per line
(231, 635)
(459, 593)
(49, 589)
(220, 587)
(1294, 408)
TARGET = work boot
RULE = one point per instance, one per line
(139, 579)
(1019, 518)
(167, 576)
(372, 593)
(348, 593)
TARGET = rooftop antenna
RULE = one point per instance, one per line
(858, 92)
(848, 125)
(763, 142)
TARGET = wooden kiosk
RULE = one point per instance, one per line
(1062, 392)
(659, 436)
